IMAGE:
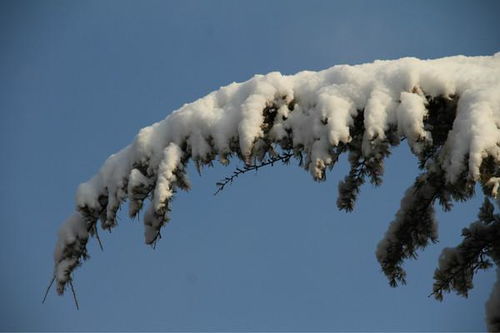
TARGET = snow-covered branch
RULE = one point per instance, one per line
(448, 110)
(458, 265)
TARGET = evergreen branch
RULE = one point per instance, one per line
(443, 285)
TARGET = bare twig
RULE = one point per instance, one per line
(74, 294)
(155, 240)
(48, 288)
(285, 157)
(98, 238)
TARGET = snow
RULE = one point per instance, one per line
(73, 235)
(314, 111)
(410, 115)
(171, 160)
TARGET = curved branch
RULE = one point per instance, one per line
(366, 108)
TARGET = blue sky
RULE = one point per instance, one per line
(78, 79)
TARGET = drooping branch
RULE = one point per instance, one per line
(461, 275)
(413, 228)
(447, 110)
(458, 265)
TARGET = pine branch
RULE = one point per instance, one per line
(285, 157)
(478, 243)
(440, 287)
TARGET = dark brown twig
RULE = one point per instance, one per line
(74, 294)
(48, 288)
(285, 157)
(98, 238)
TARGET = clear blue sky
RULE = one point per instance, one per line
(78, 79)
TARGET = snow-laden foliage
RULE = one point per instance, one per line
(448, 110)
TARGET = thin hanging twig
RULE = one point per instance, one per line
(98, 238)
(74, 294)
(155, 240)
(228, 180)
(48, 288)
